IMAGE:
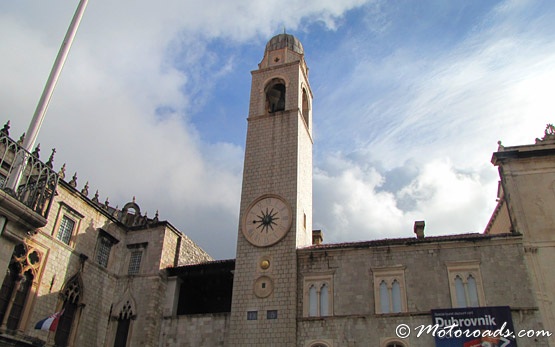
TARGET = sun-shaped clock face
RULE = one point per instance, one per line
(266, 220)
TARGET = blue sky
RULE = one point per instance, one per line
(410, 99)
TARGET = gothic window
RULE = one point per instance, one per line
(465, 284)
(65, 229)
(71, 297)
(390, 296)
(8, 286)
(123, 325)
(306, 108)
(389, 290)
(275, 95)
(318, 296)
(18, 286)
(19, 300)
(313, 301)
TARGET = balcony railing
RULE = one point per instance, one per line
(38, 181)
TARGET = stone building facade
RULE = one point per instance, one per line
(103, 266)
(124, 279)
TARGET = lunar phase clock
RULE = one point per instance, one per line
(267, 220)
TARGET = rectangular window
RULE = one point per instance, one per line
(389, 290)
(67, 224)
(271, 314)
(252, 315)
(65, 230)
(135, 262)
(465, 284)
(318, 295)
(103, 249)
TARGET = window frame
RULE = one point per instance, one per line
(123, 322)
(139, 248)
(66, 211)
(464, 270)
(27, 265)
(63, 224)
(71, 295)
(103, 239)
(318, 281)
(389, 275)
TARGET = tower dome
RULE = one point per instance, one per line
(284, 41)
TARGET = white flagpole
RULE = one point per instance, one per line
(34, 127)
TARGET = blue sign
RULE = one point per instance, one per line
(473, 327)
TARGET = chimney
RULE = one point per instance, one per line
(317, 237)
(419, 229)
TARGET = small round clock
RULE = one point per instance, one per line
(267, 220)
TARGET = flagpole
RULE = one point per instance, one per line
(36, 123)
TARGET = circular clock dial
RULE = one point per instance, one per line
(267, 220)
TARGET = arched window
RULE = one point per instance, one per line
(318, 296)
(324, 300)
(71, 296)
(466, 291)
(8, 285)
(17, 285)
(384, 298)
(275, 95)
(465, 284)
(19, 300)
(313, 301)
(389, 290)
(306, 108)
(472, 291)
(395, 344)
(124, 322)
(459, 288)
(396, 296)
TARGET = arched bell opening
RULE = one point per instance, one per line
(275, 95)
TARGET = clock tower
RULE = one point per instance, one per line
(276, 199)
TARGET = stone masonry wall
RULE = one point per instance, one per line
(354, 321)
(195, 330)
(104, 290)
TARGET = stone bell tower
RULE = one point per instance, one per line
(276, 198)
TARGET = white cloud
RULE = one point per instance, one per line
(351, 205)
(393, 115)
(128, 62)
(443, 111)
(348, 205)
